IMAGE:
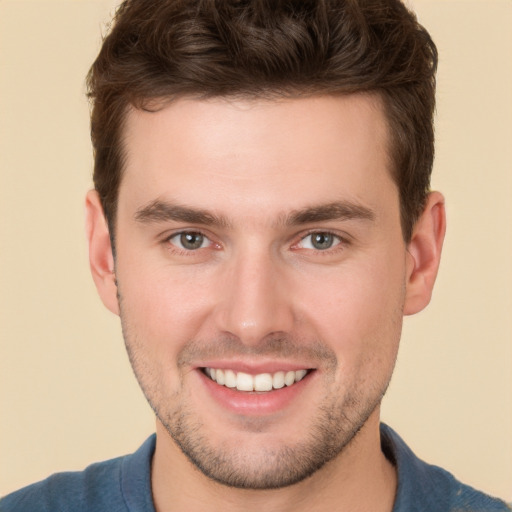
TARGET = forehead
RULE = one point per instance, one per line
(257, 155)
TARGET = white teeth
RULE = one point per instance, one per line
(219, 377)
(300, 374)
(230, 378)
(289, 378)
(261, 382)
(244, 382)
(278, 380)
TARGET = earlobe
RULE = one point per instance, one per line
(101, 259)
(424, 254)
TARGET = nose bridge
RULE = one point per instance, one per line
(255, 303)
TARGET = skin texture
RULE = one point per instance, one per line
(251, 183)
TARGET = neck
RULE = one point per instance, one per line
(358, 479)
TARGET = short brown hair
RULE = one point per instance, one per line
(163, 49)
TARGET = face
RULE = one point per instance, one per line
(261, 275)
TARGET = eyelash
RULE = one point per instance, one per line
(339, 242)
(183, 250)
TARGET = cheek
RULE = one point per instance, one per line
(161, 307)
(358, 311)
(159, 317)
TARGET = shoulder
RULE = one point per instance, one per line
(429, 488)
(95, 488)
(101, 486)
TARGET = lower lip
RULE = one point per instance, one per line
(255, 403)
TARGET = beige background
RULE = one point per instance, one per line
(67, 394)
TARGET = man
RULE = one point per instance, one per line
(261, 222)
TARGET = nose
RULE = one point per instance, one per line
(255, 299)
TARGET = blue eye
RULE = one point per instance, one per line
(189, 240)
(320, 241)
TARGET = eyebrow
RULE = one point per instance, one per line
(164, 211)
(337, 210)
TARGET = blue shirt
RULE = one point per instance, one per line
(124, 485)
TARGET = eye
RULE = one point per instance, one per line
(319, 241)
(189, 240)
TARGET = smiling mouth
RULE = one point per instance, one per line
(260, 383)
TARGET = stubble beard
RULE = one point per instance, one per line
(334, 428)
(230, 465)
(336, 424)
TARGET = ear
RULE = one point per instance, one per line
(101, 259)
(424, 254)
